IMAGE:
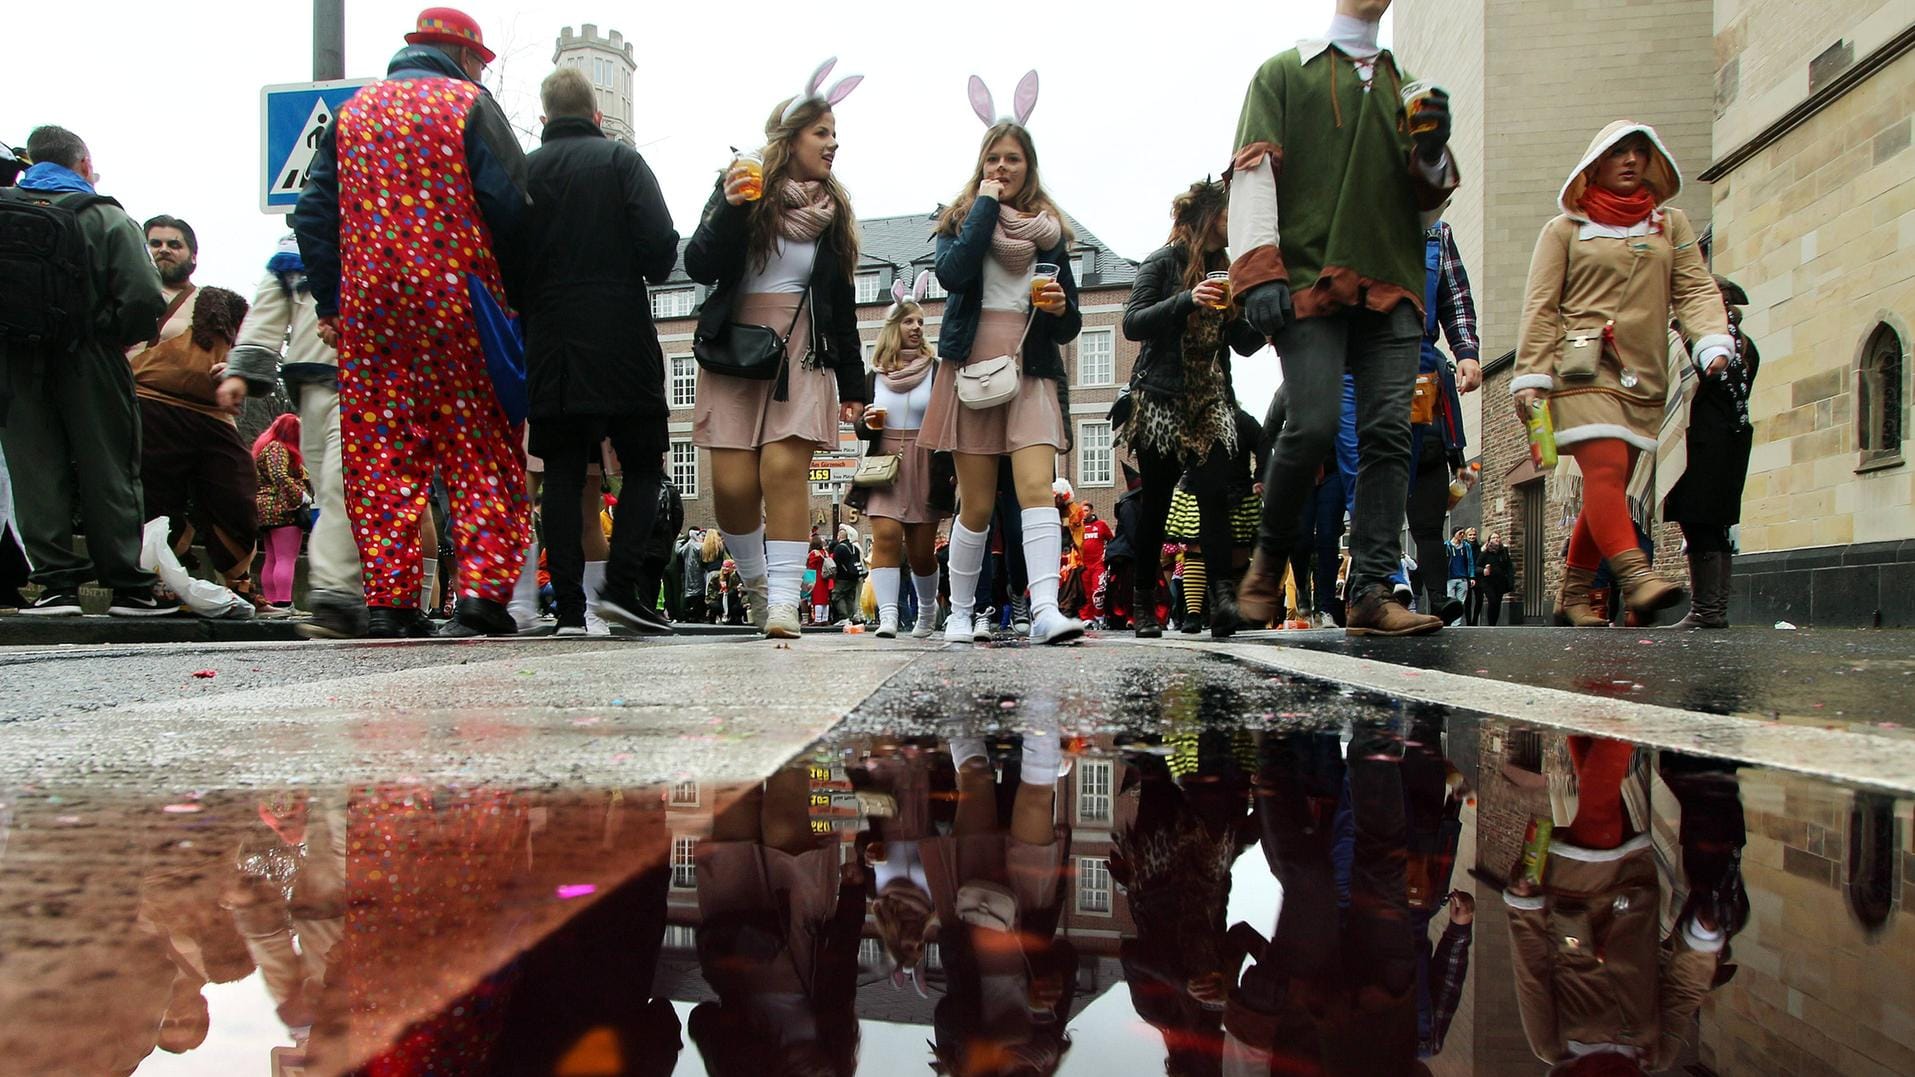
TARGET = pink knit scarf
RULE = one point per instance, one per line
(913, 365)
(808, 210)
(1021, 235)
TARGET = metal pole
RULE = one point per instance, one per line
(329, 39)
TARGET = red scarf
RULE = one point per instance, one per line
(1605, 206)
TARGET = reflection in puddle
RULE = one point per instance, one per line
(1172, 872)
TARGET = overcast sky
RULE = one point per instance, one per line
(1139, 98)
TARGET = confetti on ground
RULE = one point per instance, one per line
(568, 891)
(180, 809)
(203, 674)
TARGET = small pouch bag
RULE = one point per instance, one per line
(984, 384)
(1423, 400)
(1581, 356)
(878, 470)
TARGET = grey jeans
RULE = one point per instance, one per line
(1380, 352)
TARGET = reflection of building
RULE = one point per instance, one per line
(1540, 78)
(608, 62)
(899, 248)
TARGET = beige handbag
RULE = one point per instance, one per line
(879, 470)
(988, 383)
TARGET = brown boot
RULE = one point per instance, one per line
(1708, 592)
(1375, 613)
(1572, 602)
(1260, 596)
(1644, 592)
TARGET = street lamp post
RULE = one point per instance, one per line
(329, 39)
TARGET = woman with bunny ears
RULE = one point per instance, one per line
(904, 525)
(1000, 226)
(782, 260)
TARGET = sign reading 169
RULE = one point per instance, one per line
(820, 474)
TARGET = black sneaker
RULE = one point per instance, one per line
(636, 616)
(335, 615)
(479, 617)
(387, 622)
(139, 602)
(54, 603)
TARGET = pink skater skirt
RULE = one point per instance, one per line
(1032, 417)
(739, 413)
(908, 500)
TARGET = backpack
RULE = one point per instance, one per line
(46, 284)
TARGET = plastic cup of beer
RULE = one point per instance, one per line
(753, 162)
(1220, 278)
(1043, 275)
(1414, 94)
(874, 418)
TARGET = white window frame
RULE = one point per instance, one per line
(933, 288)
(1077, 269)
(682, 374)
(1095, 884)
(661, 296)
(687, 863)
(869, 285)
(1093, 790)
(688, 465)
(870, 952)
(1108, 476)
(684, 794)
(681, 937)
(1106, 373)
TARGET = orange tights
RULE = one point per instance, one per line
(1603, 530)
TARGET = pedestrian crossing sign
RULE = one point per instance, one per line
(291, 117)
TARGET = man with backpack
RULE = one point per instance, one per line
(76, 289)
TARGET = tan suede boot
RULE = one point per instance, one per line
(1644, 592)
(1572, 601)
(1260, 596)
(1376, 613)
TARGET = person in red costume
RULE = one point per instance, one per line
(417, 185)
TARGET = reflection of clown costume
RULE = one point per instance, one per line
(413, 184)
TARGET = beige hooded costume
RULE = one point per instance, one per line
(1585, 276)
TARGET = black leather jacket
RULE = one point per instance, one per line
(1156, 313)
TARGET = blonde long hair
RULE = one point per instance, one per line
(762, 228)
(712, 547)
(1031, 198)
(884, 354)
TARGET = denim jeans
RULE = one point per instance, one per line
(1380, 352)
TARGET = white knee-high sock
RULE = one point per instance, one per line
(1043, 556)
(927, 587)
(525, 592)
(884, 583)
(784, 565)
(1043, 756)
(967, 560)
(747, 552)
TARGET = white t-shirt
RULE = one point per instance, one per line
(788, 272)
(1004, 290)
(903, 411)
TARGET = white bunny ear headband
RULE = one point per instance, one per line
(916, 295)
(839, 90)
(1023, 104)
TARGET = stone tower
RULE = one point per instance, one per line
(609, 63)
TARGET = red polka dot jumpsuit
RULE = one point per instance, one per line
(414, 394)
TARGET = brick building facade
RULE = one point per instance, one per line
(1098, 363)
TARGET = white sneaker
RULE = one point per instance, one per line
(923, 629)
(1053, 627)
(781, 621)
(958, 629)
(887, 626)
(758, 606)
(1021, 616)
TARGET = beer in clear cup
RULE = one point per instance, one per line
(1414, 94)
(1220, 278)
(753, 162)
(1043, 275)
(874, 418)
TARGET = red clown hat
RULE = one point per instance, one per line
(450, 26)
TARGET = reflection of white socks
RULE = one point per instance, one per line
(927, 594)
(784, 564)
(965, 749)
(747, 552)
(1043, 757)
(884, 583)
(525, 591)
(967, 560)
(1043, 554)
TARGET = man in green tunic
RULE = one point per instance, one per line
(1325, 149)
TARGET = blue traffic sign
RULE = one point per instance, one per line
(291, 117)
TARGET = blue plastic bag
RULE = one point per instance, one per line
(504, 345)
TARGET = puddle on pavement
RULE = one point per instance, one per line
(1234, 873)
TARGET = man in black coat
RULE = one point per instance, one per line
(598, 231)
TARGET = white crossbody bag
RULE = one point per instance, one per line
(988, 383)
